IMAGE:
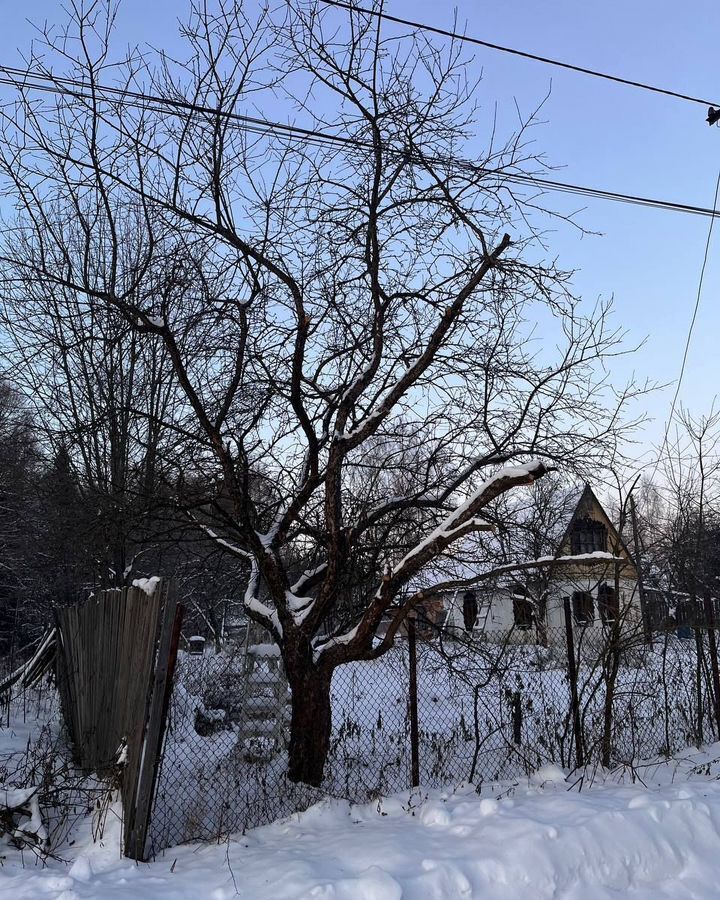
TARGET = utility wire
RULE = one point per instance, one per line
(455, 35)
(27, 79)
(686, 351)
(604, 75)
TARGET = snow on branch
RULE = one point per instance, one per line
(308, 577)
(268, 616)
(459, 522)
(299, 607)
(256, 607)
(344, 638)
(462, 519)
(227, 545)
(539, 563)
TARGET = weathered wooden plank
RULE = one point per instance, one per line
(107, 665)
(119, 693)
(76, 674)
(147, 610)
(155, 722)
(65, 681)
(108, 725)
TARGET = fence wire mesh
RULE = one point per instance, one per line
(490, 706)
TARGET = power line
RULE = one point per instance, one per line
(27, 79)
(420, 26)
(686, 351)
(713, 117)
(48, 83)
(54, 84)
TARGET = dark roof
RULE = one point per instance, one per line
(586, 496)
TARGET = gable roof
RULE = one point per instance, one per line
(588, 501)
(466, 563)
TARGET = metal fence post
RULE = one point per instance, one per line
(572, 674)
(412, 687)
(516, 705)
(712, 645)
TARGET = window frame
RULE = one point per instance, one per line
(470, 598)
(523, 621)
(588, 535)
(610, 605)
(586, 598)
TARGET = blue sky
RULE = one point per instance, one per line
(604, 135)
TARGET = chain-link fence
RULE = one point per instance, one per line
(487, 707)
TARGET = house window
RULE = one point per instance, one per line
(583, 611)
(470, 610)
(523, 612)
(588, 536)
(608, 604)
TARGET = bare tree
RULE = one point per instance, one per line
(99, 392)
(687, 554)
(18, 458)
(315, 299)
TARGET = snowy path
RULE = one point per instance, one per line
(611, 840)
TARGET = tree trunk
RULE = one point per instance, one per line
(611, 666)
(541, 624)
(310, 725)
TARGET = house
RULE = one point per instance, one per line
(589, 564)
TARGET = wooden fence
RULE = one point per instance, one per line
(115, 658)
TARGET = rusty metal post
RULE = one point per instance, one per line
(414, 734)
(516, 704)
(712, 645)
(572, 675)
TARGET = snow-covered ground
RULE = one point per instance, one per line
(649, 834)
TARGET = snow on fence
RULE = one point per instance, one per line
(114, 670)
(487, 710)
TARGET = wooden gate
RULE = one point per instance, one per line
(116, 654)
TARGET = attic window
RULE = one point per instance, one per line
(588, 536)
(583, 611)
(608, 604)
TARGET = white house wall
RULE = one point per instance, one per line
(629, 601)
(496, 614)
